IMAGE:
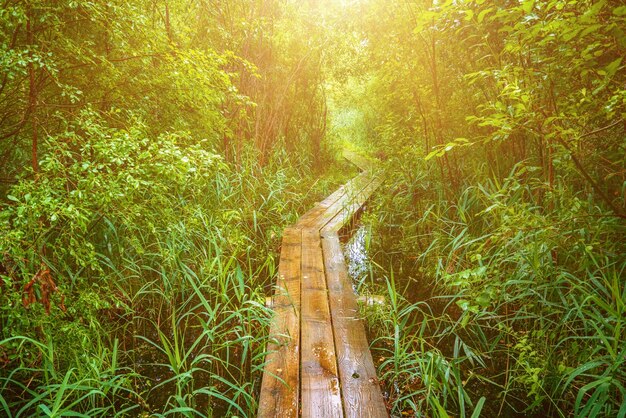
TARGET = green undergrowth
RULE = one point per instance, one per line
(506, 298)
(134, 272)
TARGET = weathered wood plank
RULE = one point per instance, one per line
(280, 387)
(347, 200)
(358, 160)
(348, 211)
(332, 204)
(359, 386)
(320, 391)
(320, 207)
(317, 366)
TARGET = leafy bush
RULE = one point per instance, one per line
(534, 290)
(124, 247)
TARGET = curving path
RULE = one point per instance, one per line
(318, 363)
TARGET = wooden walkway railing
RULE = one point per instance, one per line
(319, 364)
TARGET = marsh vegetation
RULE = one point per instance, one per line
(152, 152)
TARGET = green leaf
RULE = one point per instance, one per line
(463, 304)
(479, 407)
(590, 29)
(620, 11)
(431, 154)
(13, 198)
(598, 386)
(45, 410)
(612, 68)
(441, 412)
(622, 411)
(483, 300)
(571, 34)
(528, 5)
(580, 370)
(481, 15)
(466, 305)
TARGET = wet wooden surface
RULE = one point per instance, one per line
(359, 385)
(318, 362)
(280, 388)
(321, 396)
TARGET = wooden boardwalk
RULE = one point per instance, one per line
(319, 364)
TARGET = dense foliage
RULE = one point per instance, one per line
(145, 184)
(151, 152)
(504, 129)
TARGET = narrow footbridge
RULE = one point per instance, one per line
(319, 364)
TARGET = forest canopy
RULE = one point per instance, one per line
(152, 152)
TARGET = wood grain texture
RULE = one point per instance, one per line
(347, 212)
(359, 386)
(281, 378)
(358, 160)
(321, 394)
(333, 204)
(318, 363)
(347, 199)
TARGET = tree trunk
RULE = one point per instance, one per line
(32, 90)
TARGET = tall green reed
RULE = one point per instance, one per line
(531, 277)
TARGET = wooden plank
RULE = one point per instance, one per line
(320, 207)
(320, 391)
(358, 160)
(354, 184)
(348, 211)
(331, 204)
(346, 200)
(281, 378)
(359, 386)
(314, 212)
(302, 374)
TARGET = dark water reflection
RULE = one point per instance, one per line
(356, 254)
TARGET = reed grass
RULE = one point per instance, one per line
(168, 317)
(524, 307)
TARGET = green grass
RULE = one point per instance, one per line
(163, 272)
(524, 301)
